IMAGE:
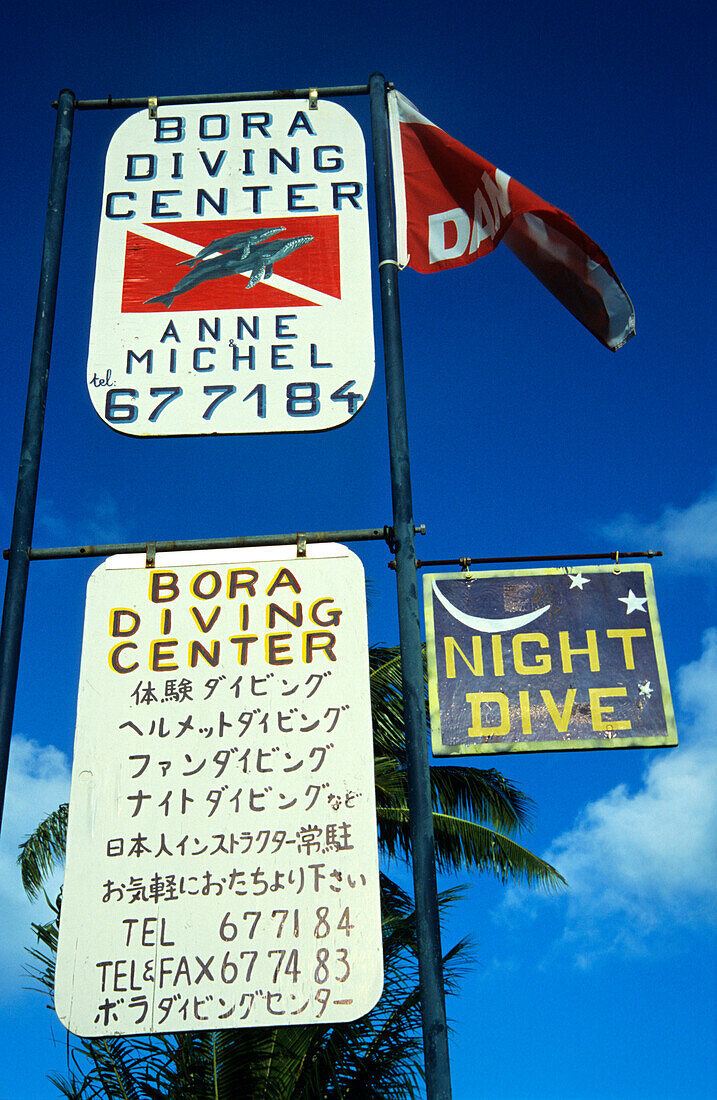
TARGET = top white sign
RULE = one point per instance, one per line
(233, 289)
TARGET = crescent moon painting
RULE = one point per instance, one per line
(488, 626)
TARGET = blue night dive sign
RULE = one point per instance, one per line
(540, 659)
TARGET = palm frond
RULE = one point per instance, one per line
(43, 850)
(481, 794)
(387, 701)
(460, 843)
(476, 813)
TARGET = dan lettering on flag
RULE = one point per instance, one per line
(452, 207)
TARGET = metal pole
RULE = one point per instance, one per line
(142, 102)
(166, 546)
(433, 1008)
(23, 520)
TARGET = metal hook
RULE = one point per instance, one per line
(152, 106)
(151, 555)
(300, 544)
(617, 558)
(313, 99)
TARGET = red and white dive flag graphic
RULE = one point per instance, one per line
(452, 207)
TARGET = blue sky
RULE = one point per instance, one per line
(526, 437)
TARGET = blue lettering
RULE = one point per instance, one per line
(278, 358)
(256, 197)
(110, 204)
(204, 127)
(213, 169)
(170, 331)
(295, 197)
(170, 128)
(332, 164)
(260, 121)
(204, 197)
(205, 327)
(282, 329)
(133, 172)
(160, 208)
(292, 165)
(350, 191)
(300, 122)
(196, 359)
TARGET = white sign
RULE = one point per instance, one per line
(233, 289)
(222, 866)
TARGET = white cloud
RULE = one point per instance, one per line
(688, 537)
(38, 781)
(643, 863)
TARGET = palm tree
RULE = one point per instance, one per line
(476, 811)
(371, 1058)
(476, 814)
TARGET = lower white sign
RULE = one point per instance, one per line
(222, 865)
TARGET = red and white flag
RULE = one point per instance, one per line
(452, 207)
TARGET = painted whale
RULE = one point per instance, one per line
(243, 242)
(259, 263)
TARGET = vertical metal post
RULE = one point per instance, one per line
(24, 516)
(433, 1008)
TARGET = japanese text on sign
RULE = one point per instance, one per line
(222, 859)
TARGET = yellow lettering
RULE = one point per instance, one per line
(450, 646)
(599, 710)
(333, 614)
(242, 642)
(196, 649)
(114, 656)
(160, 583)
(197, 584)
(497, 643)
(205, 627)
(525, 712)
(477, 729)
(294, 617)
(161, 655)
(275, 647)
(241, 578)
(626, 637)
(318, 641)
(284, 579)
(542, 660)
(560, 721)
(126, 630)
(567, 653)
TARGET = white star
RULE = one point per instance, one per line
(646, 689)
(633, 602)
(578, 581)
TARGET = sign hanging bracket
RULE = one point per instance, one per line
(300, 544)
(313, 99)
(151, 555)
(613, 555)
(152, 106)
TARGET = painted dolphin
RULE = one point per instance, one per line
(259, 263)
(241, 241)
(262, 258)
